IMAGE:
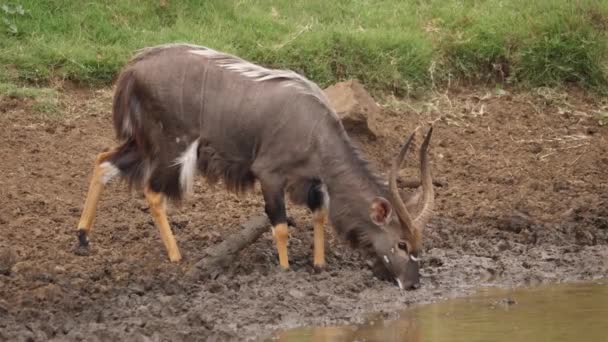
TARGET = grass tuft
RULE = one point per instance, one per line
(44, 101)
(14, 91)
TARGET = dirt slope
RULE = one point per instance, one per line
(523, 199)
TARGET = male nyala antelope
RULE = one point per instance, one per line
(181, 109)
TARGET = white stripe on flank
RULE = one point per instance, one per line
(188, 167)
(127, 128)
(325, 197)
(109, 171)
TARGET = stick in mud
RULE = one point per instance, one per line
(220, 256)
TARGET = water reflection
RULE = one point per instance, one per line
(399, 330)
(564, 312)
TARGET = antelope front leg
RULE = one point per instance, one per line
(102, 173)
(281, 236)
(319, 218)
(158, 208)
(274, 197)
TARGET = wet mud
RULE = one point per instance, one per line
(522, 198)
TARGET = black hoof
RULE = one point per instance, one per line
(82, 251)
(83, 241)
(82, 248)
(291, 222)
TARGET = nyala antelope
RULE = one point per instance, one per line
(180, 110)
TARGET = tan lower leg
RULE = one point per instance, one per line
(158, 208)
(281, 235)
(94, 192)
(319, 220)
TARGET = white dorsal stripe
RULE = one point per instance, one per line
(260, 73)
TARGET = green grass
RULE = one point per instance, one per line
(391, 45)
(44, 100)
(12, 90)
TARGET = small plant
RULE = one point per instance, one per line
(602, 118)
(9, 14)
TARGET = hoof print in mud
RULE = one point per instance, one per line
(82, 250)
(284, 269)
(211, 274)
(316, 269)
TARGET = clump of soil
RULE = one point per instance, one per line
(522, 198)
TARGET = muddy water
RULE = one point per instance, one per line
(563, 312)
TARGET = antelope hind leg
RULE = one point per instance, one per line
(318, 203)
(158, 209)
(319, 220)
(102, 173)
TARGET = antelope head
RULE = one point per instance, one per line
(398, 243)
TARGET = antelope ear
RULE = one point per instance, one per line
(380, 211)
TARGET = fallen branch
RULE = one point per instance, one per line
(220, 256)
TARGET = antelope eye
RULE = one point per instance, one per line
(402, 245)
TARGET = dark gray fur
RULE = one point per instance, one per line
(283, 135)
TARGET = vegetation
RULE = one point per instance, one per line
(44, 100)
(394, 45)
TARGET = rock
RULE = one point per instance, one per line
(435, 261)
(584, 237)
(503, 245)
(508, 301)
(296, 293)
(49, 292)
(216, 287)
(515, 223)
(536, 148)
(355, 107)
(137, 289)
(560, 186)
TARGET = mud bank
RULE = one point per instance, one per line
(523, 199)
